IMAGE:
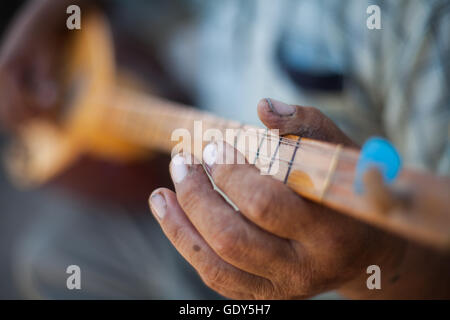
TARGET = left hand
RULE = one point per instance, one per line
(278, 246)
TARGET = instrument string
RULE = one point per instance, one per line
(145, 114)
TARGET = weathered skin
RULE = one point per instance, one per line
(280, 246)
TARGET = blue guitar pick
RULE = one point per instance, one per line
(380, 153)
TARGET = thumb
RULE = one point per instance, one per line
(306, 122)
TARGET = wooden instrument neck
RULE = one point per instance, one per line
(310, 167)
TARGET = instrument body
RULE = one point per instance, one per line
(121, 123)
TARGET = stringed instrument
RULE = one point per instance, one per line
(119, 122)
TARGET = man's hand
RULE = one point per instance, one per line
(278, 246)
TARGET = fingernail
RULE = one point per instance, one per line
(210, 154)
(158, 205)
(280, 108)
(178, 168)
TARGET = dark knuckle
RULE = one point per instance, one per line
(214, 276)
(314, 111)
(178, 235)
(267, 290)
(226, 243)
(260, 204)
